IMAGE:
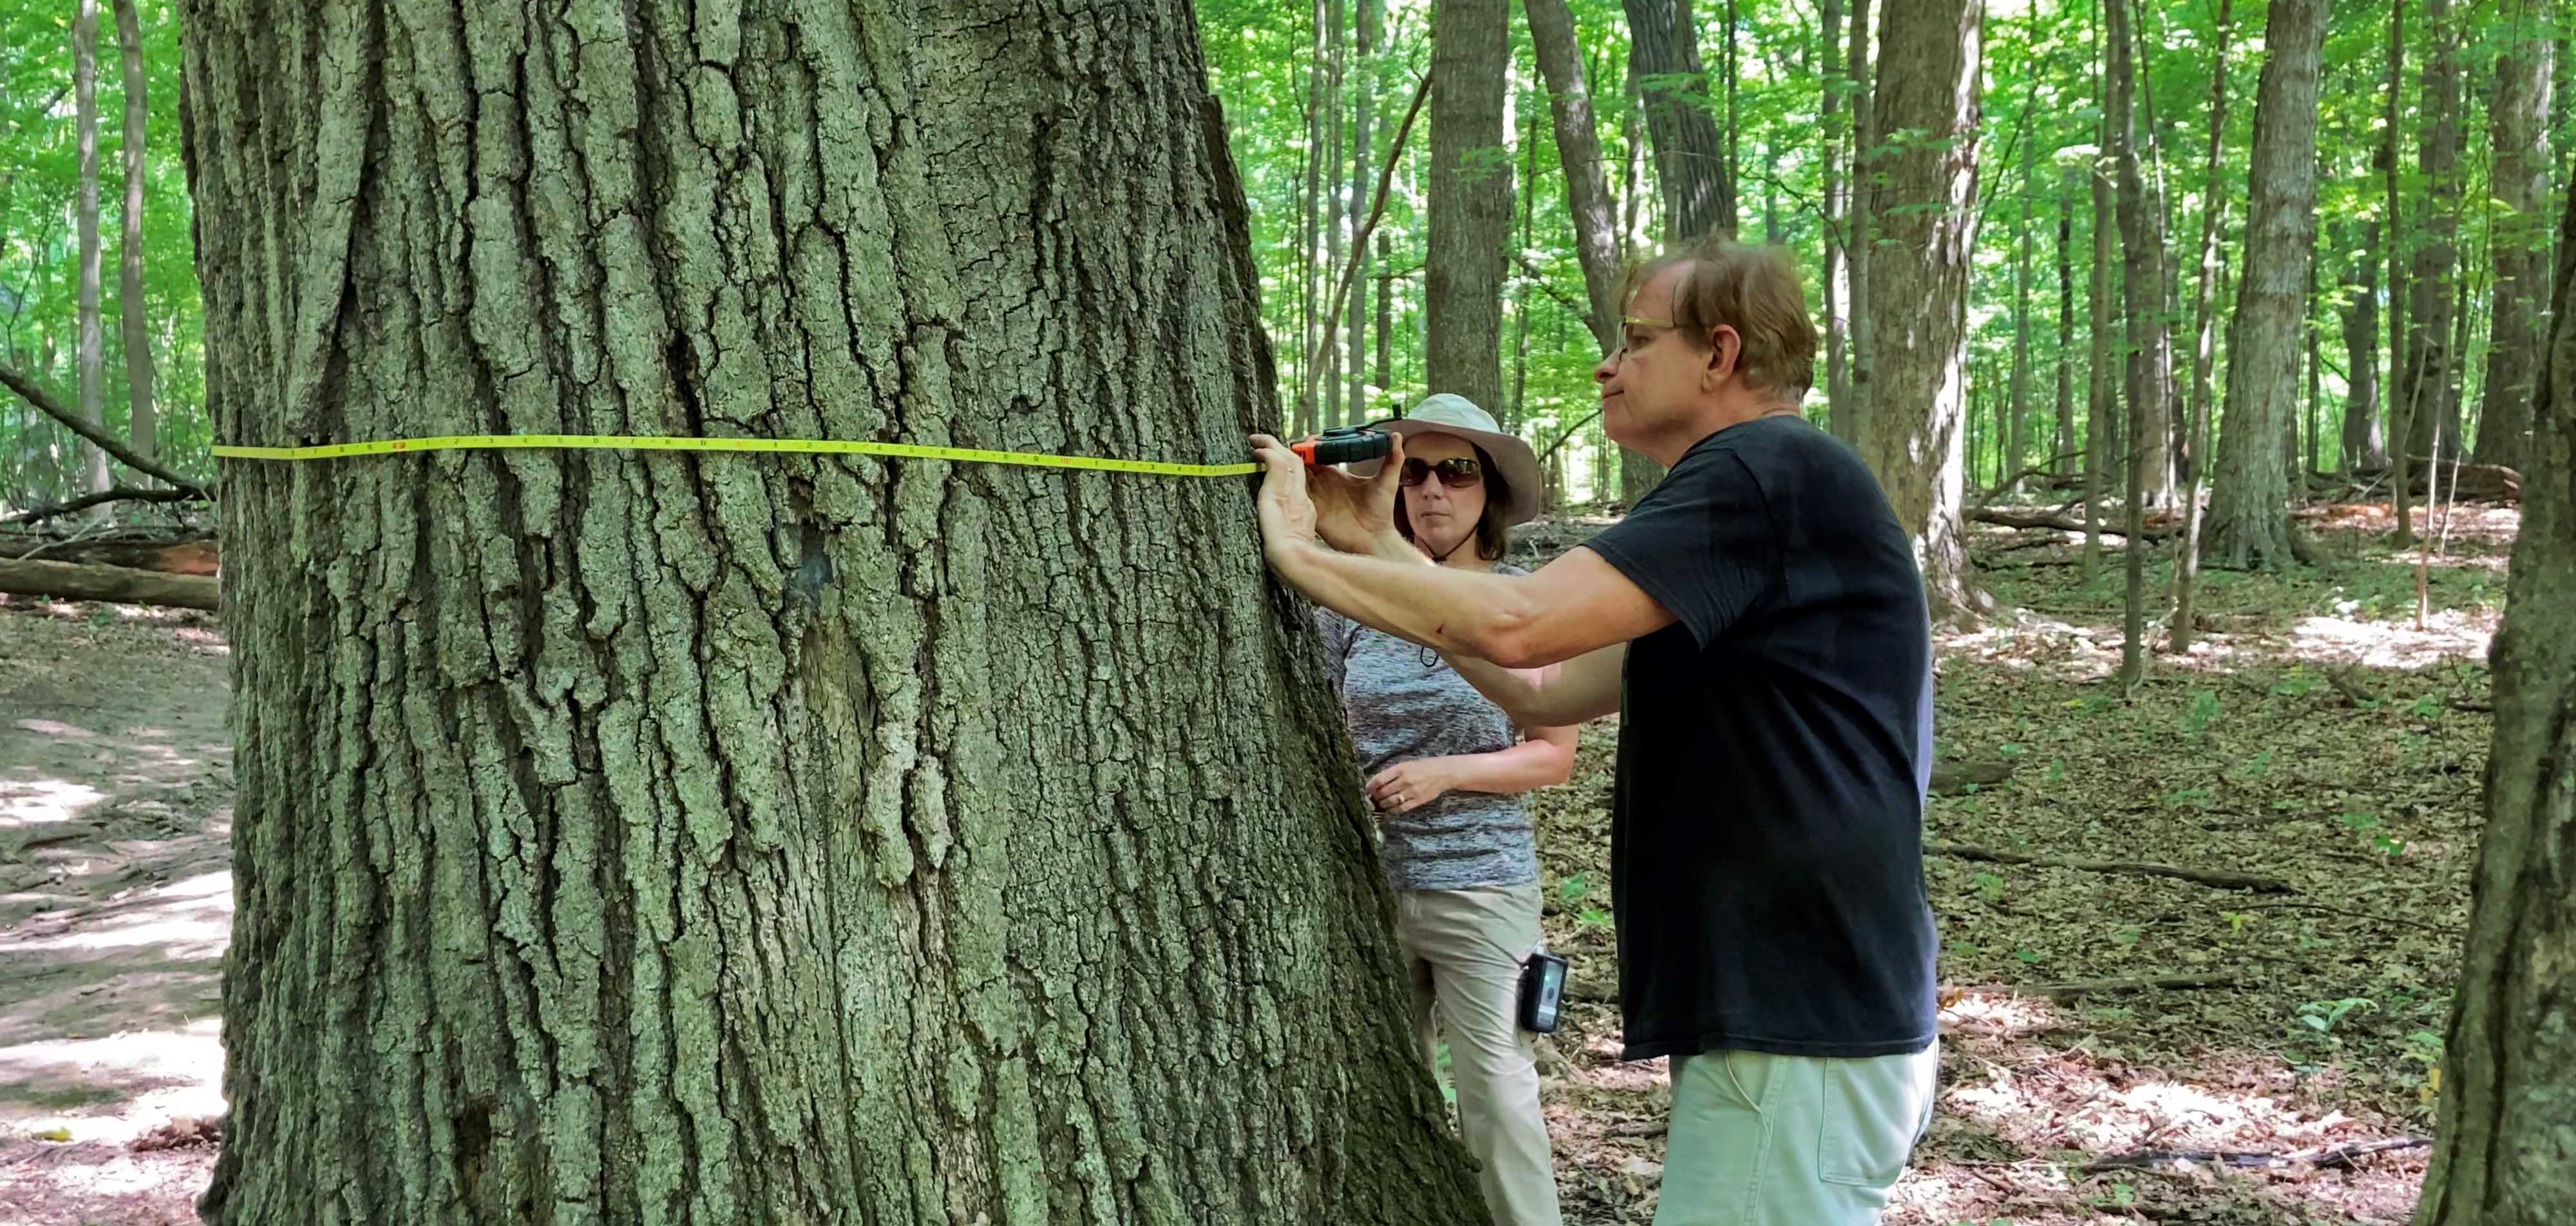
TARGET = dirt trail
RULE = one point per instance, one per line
(115, 905)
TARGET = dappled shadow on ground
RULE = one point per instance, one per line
(2312, 735)
(115, 906)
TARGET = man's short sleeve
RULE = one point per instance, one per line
(1701, 543)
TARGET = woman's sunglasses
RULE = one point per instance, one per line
(1456, 472)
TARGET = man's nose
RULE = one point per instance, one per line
(1608, 366)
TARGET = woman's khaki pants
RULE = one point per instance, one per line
(1463, 949)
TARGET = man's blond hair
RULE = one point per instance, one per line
(1752, 289)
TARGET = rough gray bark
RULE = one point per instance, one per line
(1578, 151)
(2518, 119)
(90, 355)
(2505, 1154)
(644, 837)
(1929, 82)
(2361, 447)
(2142, 248)
(132, 318)
(2249, 509)
(1470, 201)
(2432, 368)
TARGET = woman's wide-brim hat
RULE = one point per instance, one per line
(1448, 413)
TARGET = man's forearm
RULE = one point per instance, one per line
(1437, 606)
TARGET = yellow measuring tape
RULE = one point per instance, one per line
(820, 446)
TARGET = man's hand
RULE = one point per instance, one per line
(1407, 786)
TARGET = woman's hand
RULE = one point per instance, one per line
(1355, 515)
(1407, 786)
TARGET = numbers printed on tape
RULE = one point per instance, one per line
(618, 442)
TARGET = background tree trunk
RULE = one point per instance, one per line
(1834, 137)
(1471, 200)
(2432, 396)
(2017, 434)
(1578, 150)
(2102, 430)
(2400, 386)
(1698, 196)
(642, 837)
(1340, 210)
(1929, 82)
(2362, 448)
(2503, 1155)
(2519, 120)
(2204, 339)
(1364, 172)
(2249, 512)
(2142, 246)
(131, 317)
(90, 354)
(1857, 229)
(2065, 440)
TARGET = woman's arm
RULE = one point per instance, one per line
(1544, 759)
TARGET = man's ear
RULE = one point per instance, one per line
(1725, 350)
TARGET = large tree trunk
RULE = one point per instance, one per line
(2249, 511)
(2432, 368)
(2362, 448)
(645, 837)
(2506, 1153)
(90, 356)
(2142, 248)
(2519, 120)
(1929, 81)
(1471, 200)
(1578, 151)
(131, 317)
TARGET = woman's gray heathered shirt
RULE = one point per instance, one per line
(1403, 702)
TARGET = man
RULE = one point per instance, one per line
(1758, 625)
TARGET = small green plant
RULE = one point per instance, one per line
(1991, 885)
(2364, 822)
(2322, 1015)
(2127, 934)
(1594, 916)
(2235, 921)
(2256, 767)
(2204, 708)
(1570, 891)
(2426, 707)
(2300, 681)
(2029, 956)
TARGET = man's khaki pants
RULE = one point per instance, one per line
(1463, 949)
(1765, 1140)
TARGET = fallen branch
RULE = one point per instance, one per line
(119, 493)
(2025, 519)
(2219, 878)
(2095, 987)
(2334, 1156)
(71, 581)
(106, 442)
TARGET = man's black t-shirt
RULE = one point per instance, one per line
(1766, 842)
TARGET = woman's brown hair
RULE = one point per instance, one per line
(1493, 536)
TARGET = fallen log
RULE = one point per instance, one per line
(2462, 481)
(2218, 878)
(123, 585)
(169, 555)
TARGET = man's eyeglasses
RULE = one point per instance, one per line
(1456, 472)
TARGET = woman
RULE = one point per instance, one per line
(1445, 767)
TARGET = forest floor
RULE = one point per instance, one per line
(2312, 736)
